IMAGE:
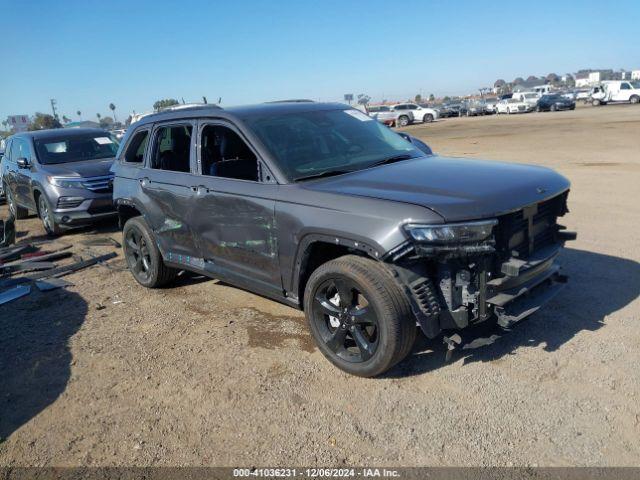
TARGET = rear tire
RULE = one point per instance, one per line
(368, 328)
(553, 108)
(18, 212)
(403, 121)
(595, 102)
(143, 256)
(635, 99)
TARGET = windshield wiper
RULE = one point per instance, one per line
(327, 173)
(393, 159)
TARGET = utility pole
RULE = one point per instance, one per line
(53, 108)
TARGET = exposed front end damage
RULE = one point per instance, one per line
(503, 278)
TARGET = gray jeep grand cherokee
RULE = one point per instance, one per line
(320, 207)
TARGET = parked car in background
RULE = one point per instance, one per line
(62, 175)
(554, 102)
(477, 107)
(389, 116)
(2, 147)
(490, 105)
(616, 91)
(505, 96)
(530, 98)
(513, 105)
(321, 208)
(119, 133)
(448, 110)
(420, 114)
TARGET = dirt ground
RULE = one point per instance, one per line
(108, 373)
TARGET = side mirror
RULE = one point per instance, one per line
(23, 162)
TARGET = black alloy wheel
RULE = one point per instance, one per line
(138, 255)
(346, 321)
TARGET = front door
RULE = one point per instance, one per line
(168, 183)
(235, 224)
(23, 193)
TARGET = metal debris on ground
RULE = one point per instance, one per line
(52, 284)
(102, 242)
(14, 293)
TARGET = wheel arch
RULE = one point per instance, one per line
(317, 249)
(127, 210)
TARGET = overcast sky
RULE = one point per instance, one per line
(87, 54)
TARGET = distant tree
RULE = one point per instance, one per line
(418, 98)
(98, 115)
(446, 99)
(167, 102)
(552, 78)
(569, 80)
(532, 78)
(112, 107)
(106, 122)
(518, 81)
(500, 83)
(79, 113)
(363, 99)
(432, 97)
(127, 122)
(42, 121)
(65, 119)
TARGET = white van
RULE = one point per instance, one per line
(617, 91)
(542, 89)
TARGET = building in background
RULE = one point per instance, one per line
(18, 123)
(635, 75)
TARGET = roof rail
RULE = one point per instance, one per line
(293, 100)
(189, 106)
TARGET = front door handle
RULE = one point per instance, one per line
(144, 181)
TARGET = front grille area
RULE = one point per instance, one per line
(99, 184)
(521, 233)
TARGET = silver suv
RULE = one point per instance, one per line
(62, 175)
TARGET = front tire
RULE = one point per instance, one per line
(358, 316)
(635, 99)
(45, 212)
(428, 118)
(143, 256)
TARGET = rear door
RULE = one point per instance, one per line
(235, 204)
(167, 185)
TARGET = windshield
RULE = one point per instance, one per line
(76, 148)
(312, 143)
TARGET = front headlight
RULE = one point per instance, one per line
(65, 182)
(452, 233)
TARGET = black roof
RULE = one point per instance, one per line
(60, 132)
(243, 111)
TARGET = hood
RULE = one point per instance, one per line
(455, 188)
(89, 168)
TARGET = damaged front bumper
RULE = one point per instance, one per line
(454, 295)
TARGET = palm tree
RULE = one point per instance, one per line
(79, 113)
(65, 119)
(98, 115)
(112, 107)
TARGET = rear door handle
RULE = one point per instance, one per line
(144, 181)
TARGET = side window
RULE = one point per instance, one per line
(224, 154)
(625, 86)
(172, 148)
(401, 107)
(19, 149)
(136, 148)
